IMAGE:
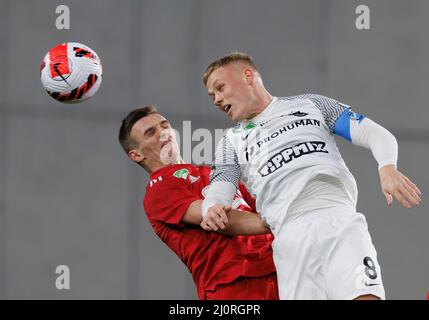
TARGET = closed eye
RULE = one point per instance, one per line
(165, 124)
(149, 132)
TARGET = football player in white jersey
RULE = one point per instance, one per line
(284, 151)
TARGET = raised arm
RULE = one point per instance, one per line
(223, 182)
(364, 132)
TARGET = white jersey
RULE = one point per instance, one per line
(280, 150)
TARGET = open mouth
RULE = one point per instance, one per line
(226, 108)
(164, 143)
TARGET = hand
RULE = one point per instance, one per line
(216, 218)
(395, 184)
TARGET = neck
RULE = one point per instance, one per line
(159, 165)
(264, 99)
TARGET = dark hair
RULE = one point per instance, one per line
(228, 59)
(125, 139)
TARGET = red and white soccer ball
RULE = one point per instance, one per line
(71, 72)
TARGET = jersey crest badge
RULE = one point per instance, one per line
(182, 173)
(250, 125)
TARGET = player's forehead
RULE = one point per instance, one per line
(219, 74)
(149, 121)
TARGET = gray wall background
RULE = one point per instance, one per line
(68, 195)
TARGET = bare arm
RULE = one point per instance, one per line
(244, 223)
(239, 222)
(193, 214)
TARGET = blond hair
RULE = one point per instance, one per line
(226, 60)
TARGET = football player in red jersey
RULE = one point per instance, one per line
(234, 264)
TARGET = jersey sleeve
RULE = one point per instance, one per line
(225, 166)
(369, 134)
(224, 176)
(358, 129)
(345, 120)
(330, 108)
(168, 200)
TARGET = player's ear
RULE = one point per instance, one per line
(249, 75)
(135, 155)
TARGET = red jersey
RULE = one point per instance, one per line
(211, 257)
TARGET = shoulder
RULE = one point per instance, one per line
(314, 97)
(329, 107)
(168, 197)
(168, 180)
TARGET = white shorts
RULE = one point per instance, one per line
(327, 254)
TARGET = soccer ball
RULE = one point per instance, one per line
(71, 72)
